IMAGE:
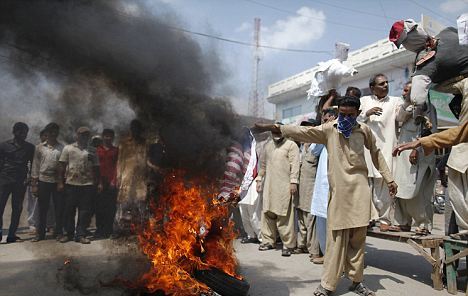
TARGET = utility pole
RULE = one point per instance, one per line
(255, 99)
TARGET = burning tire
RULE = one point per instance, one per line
(222, 283)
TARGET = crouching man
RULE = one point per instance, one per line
(349, 208)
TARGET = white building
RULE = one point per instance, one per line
(290, 95)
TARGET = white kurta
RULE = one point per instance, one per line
(410, 177)
(384, 128)
(415, 182)
(251, 211)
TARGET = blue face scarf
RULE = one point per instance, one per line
(346, 124)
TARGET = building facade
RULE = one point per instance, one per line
(290, 95)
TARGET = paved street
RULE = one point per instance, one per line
(392, 269)
(38, 269)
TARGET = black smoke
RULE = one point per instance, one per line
(101, 55)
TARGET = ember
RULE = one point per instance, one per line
(189, 231)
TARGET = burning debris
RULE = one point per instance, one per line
(90, 57)
(189, 241)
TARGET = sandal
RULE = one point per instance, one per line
(361, 289)
(400, 228)
(286, 252)
(321, 291)
(300, 250)
(422, 231)
(265, 247)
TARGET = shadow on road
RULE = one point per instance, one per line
(63, 275)
(266, 283)
(402, 263)
(373, 281)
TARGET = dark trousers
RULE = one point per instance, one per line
(105, 211)
(45, 192)
(17, 191)
(78, 197)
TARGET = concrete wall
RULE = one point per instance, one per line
(397, 77)
(307, 109)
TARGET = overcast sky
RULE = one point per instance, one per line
(294, 24)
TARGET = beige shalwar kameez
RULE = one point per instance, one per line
(279, 168)
(307, 236)
(384, 127)
(415, 182)
(349, 207)
(458, 160)
(132, 177)
(132, 170)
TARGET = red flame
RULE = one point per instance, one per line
(189, 231)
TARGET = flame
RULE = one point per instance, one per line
(189, 230)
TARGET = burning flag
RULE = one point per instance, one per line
(189, 233)
(240, 162)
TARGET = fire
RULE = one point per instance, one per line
(189, 230)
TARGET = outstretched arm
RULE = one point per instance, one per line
(305, 134)
(445, 139)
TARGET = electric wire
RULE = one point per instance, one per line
(314, 18)
(350, 9)
(220, 38)
(384, 13)
(450, 21)
(247, 43)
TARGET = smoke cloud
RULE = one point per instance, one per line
(101, 63)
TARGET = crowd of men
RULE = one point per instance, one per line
(319, 185)
(90, 177)
(358, 182)
(302, 169)
(293, 176)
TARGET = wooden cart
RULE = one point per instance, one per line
(419, 243)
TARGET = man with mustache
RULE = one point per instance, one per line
(379, 112)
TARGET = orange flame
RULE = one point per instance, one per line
(189, 230)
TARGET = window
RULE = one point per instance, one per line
(292, 111)
(366, 91)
